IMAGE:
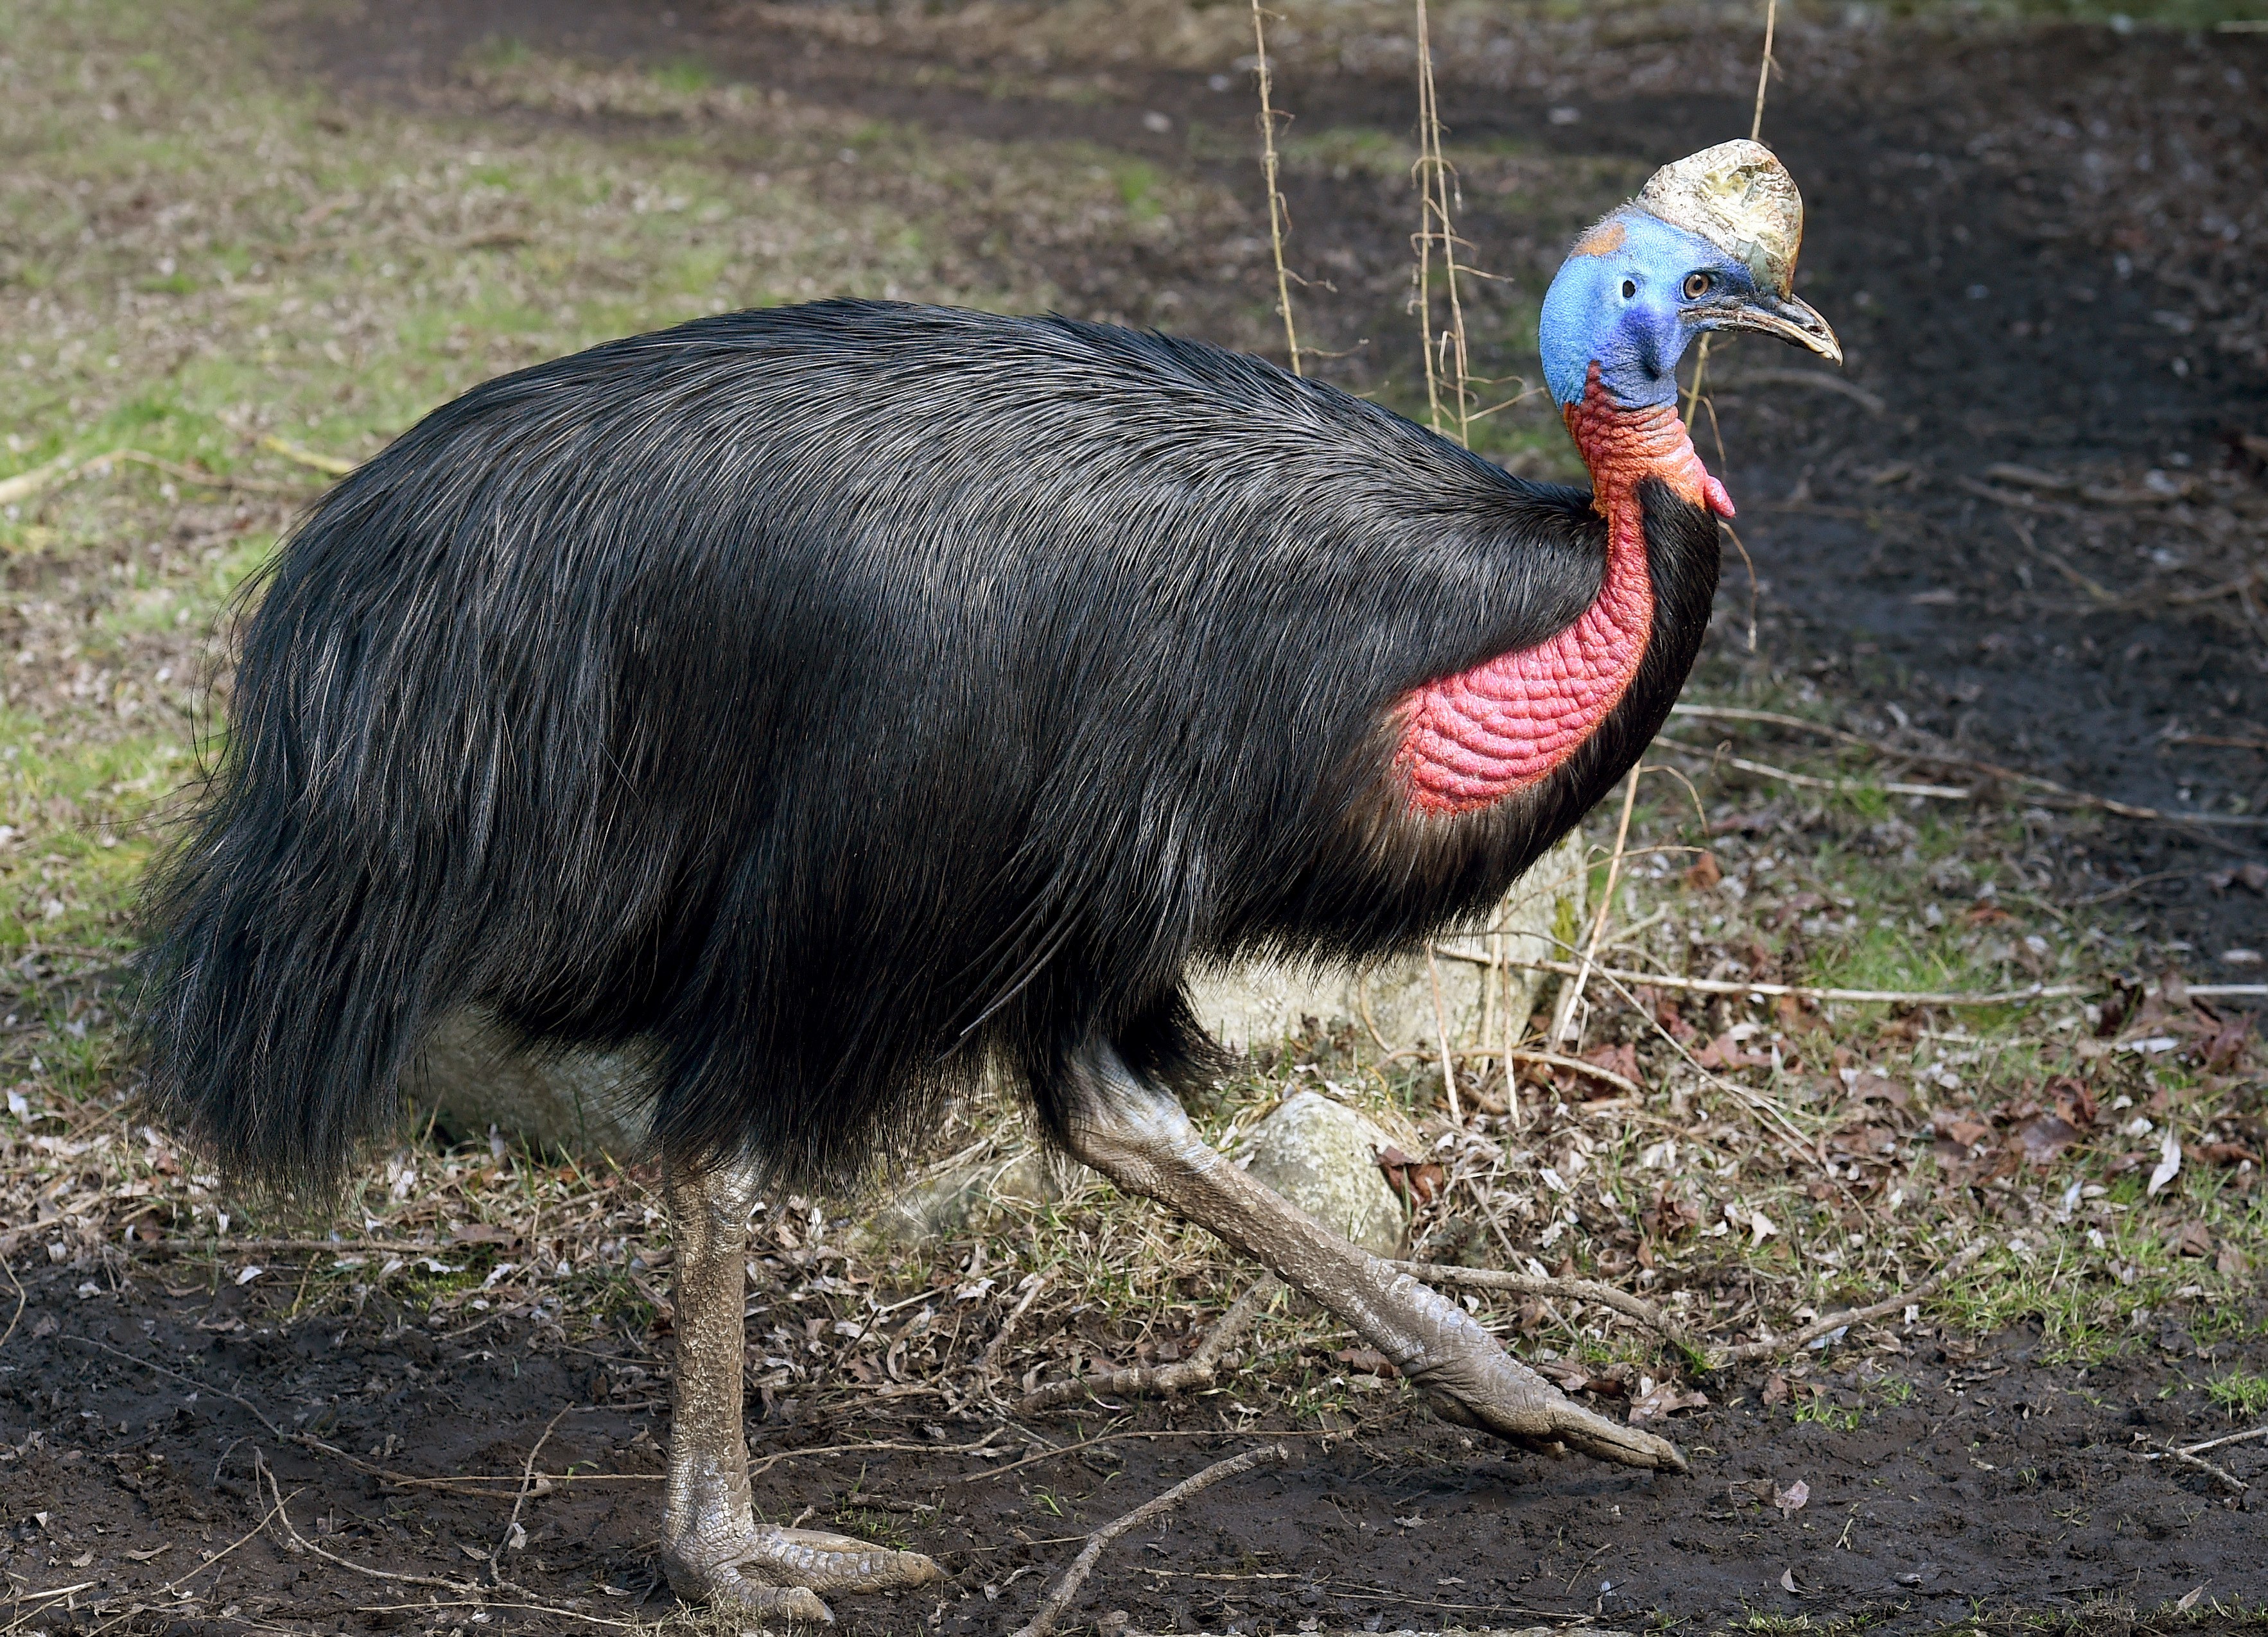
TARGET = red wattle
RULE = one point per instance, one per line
(1469, 740)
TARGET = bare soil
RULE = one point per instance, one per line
(1966, 1484)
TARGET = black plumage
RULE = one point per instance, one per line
(827, 700)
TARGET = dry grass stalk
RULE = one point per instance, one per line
(1052, 1606)
(1756, 134)
(1195, 1373)
(1441, 1034)
(1436, 225)
(1563, 1025)
(1276, 211)
(1808, 992)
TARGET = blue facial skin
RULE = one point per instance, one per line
(1633, 309)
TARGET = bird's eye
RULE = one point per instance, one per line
(1697, 285)
(1630, 289)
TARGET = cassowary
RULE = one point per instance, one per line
(828, 702)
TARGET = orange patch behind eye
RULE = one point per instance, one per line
(1603, 240)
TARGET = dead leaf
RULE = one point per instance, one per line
(144, 1557)
(1616, 1060)
(1787, 1581)
(2188, 1600)
(1704, 873)
(2195, 1239)
(1664, 1401)
(1790, 1499)
(2045, 1137)
(2230, 1263)
(481, 1233)
(1872, 1087)
(1366, 1361)
(1963, 1127)
(2225, 1153)
(1776, 1390)
(1725, 1052)
(2169, 1163)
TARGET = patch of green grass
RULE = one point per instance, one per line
(2242, 1393)
(685, 76)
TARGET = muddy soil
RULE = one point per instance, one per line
(1988, 231)
(134, 1427)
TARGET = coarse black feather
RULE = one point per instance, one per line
(828, 700)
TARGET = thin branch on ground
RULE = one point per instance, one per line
(2215, 1443)
(987, 1367)
(1808, 992)
(1195, 1373)
(507, 1543)
(498, 1484)
(2057, 794)
(2234, 1484)
(299, 1542)
(202, 1387)
(1747, 1352)
(1571, 1289)
(179, 1581)
(20, 1299)
(1052, 1606)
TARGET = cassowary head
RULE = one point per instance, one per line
(1708, 244)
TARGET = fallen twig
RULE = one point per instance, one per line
(1806, 782)
(2191, 1454)
(2215, 1443)
(20, 1299)
(1052, 1606)
(2048, 787)
(1870, 402)
(300, 1543)
(202, 1387)
(1573, 1290)
(2236, 1484)
(331, 464)
(1194, 1373)
(496, 1484)
(1748, 1351)
(1623, 1083)
(987, 1367)
(1808, 992)
(24, 485)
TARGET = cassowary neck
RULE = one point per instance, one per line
(1472, 740)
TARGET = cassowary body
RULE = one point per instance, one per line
(829, 701)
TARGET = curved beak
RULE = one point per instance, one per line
(1784, 316)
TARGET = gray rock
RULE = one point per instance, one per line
(941, 1205)
(1261, 1001)
(471, 1076)
(1323, 1157)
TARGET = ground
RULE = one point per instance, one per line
(1988, 714)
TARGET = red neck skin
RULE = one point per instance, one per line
(1469, 740)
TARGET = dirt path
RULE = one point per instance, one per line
(1955, 1485)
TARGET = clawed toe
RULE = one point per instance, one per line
(782, 1572)
(825, 1562)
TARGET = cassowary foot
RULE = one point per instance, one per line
(782, 1572)
(1484, 1388)
(1136, 1134)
